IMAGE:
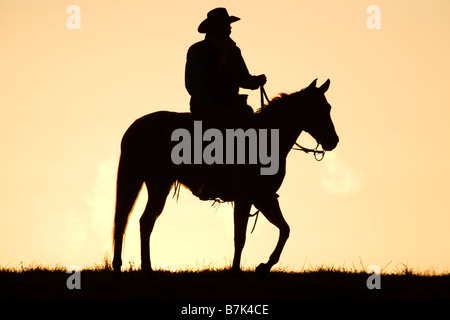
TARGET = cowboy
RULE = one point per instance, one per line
(215, 70)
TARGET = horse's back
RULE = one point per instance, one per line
(159, 120)
(154, 126)
(147, 147)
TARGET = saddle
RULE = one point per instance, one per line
(206, 172)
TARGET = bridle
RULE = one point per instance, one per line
(318, 154)
(315, 151)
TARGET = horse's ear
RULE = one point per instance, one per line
(313, 84)
(325, 86)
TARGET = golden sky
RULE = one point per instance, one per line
(67, 97)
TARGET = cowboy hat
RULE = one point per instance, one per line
(216, 16)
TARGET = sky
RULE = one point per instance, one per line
(67, 95)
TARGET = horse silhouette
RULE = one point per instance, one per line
(146, 158)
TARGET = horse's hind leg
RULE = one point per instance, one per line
(157, 194)
(270, 208)
(129, 184)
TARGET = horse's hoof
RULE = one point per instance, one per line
(262, 271)
(236, 272)
(148, 271)
(118, 275)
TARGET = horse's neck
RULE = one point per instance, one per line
(286, 145)
(289, 130)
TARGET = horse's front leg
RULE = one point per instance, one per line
(241, 215)
(270, 208)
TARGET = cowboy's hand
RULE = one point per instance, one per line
(261, 79)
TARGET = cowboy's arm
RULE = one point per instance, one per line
(246, 80)
(194, 75)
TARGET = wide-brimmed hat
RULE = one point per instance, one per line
(216, 16)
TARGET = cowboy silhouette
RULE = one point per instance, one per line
(215, 70)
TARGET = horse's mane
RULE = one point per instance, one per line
(273, 102)
(278, 101)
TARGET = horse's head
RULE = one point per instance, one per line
(318, 121)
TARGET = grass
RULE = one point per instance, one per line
(323, 282)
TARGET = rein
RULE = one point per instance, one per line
(263, 95)
(318, 154)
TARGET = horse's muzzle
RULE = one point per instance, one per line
(330, 144)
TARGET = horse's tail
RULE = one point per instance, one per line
(129, 183)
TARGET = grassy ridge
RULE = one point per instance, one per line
(98, 283)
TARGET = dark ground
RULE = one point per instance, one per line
(213, 285)
(169, 295)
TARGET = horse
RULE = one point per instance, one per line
(146, 158)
